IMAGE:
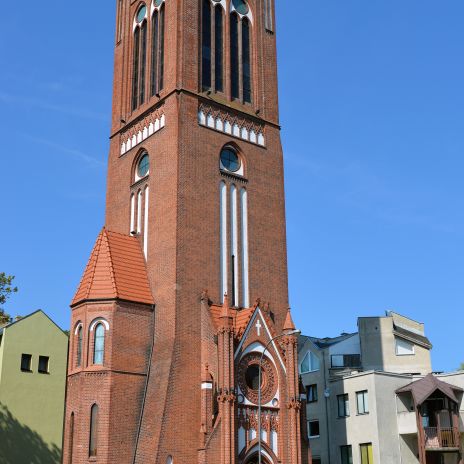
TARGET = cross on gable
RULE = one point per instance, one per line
(258, 327)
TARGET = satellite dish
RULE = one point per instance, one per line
(327, 392)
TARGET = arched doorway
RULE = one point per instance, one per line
(254, 460)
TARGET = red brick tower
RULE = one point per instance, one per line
(161, 370)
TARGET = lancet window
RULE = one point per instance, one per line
(139, 57)
(212, 46)
(157, 47)
(240, 51)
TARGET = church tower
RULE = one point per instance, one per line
(187, 283)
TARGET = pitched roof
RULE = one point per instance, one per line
(116, 269)
(328, 341)
(240, 317)
(412, 336)
(23, 318)
(423, 388)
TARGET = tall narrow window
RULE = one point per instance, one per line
(119, 23)
(79, 347)
(346, 454)
(99, 344)
(245, 270)
(132, 215)
(362, 401)
(240, 51)
(93, 435)
(139, 212)
(223, 238)
(234, 244)
(206, 46)
(157, 49)
(268, 19)
(135, 69)
(143, 62)
(161, 48)
(139, 58)
(154, 53)
(218, 48)
(234, 58)
(71, 438)
(246, 64)
(145, 224)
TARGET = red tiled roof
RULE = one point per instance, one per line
(423, 388)
(116, 269)
(240, 317)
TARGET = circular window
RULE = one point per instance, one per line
(252, 377)
(230, 160)
(241, 6)
(248, 378)
(143, 166)
(141, 13)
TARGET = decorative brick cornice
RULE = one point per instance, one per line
(146, 127)
(226, 122)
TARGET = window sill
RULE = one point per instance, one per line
(315, 436)
(26, 371)
(44, 372)
(343, 417)
(362, 414)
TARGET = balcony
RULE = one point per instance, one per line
(441, 438)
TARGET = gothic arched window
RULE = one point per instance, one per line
(212, 48)
(99, 344)
(93, 433)
(139, 57)
(157, 47)
(240, 51)
(79, 346)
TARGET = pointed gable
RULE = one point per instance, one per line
(423, 388)
(116, 270)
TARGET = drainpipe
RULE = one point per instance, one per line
(326, 389)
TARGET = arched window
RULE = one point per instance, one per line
(93, 435)
(157, 48)
(169, 460)
(79, 347)
(240, 51)
(206, 45)
(212, 46)
(218, 48)
(99, 344)
(139, 58)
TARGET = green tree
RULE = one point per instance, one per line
(461, 367)
(6, 289)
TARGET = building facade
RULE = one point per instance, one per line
(33, 356)
(360, 397)
(187, 283)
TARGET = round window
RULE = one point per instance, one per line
(241, 6)
(141, 13)
(143, 166)
(230, 160)
(252, 377)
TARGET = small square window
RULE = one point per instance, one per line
(44, 364)
(313, 429)
(311, 393)
(26, 362)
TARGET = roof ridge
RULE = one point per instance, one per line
(93, 255)
(111, 266)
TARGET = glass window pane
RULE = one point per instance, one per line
(246, 63)
(234, 56)
(206, 45)
(218, 37)
(305, 364)
(99, 346)
(93, 440)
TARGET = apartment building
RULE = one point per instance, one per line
(33, 357)
(356, 405)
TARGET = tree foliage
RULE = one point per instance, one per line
(6, 289)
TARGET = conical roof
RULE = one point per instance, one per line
(116, 270)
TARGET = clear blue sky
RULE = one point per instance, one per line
(372, 109)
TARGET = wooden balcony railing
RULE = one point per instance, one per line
(444, 437)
